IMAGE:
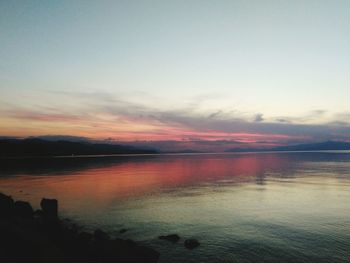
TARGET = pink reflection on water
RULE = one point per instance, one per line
(134, 178)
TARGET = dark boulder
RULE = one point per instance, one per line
(123, 230)
(172, 238)
(50, 208)
(23, 209)
(6, 205)
(191, 243)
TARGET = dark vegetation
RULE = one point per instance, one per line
(42, 237)
(39, 147)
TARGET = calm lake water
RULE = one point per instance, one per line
(264, 207)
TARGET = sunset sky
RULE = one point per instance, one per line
(198, 74)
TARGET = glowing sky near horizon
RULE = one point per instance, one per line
(255, 72)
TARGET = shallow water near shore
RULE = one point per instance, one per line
(249, 207)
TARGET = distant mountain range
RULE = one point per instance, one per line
(41, 147)
(322, 146)
(55, 146)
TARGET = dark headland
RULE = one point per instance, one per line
(39, 147)
(42, 237)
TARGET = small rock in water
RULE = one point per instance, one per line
(191, 243)
(172, 238)
(123, 230)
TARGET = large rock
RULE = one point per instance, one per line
(191, 243)
(50, 208)
(6, 205)
(23, 209)
(172, 238)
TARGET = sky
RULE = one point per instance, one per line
(189, 74)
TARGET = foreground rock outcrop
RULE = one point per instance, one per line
(41, 236)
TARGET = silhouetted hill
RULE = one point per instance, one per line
(322, 146)
(39, 147)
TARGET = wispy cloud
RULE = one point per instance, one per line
(105, 115)
(44, 117)
(259, 117)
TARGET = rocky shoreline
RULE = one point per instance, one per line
(41, 236)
